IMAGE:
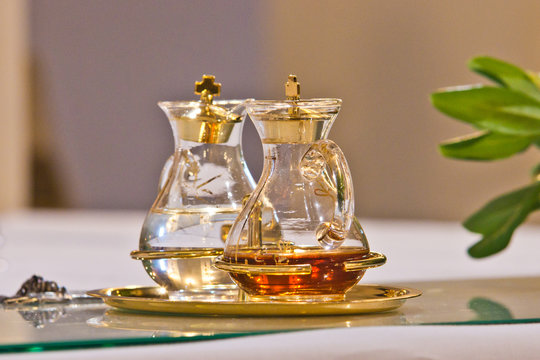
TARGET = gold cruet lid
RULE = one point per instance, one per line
(296, 108)
(204, 121)
(206, 110)
(293, 120)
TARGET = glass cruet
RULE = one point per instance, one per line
(200, 194)
(297, 237)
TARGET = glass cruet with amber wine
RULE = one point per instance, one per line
(297, 237)
(200, 194)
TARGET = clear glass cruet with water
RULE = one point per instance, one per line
(200, 194)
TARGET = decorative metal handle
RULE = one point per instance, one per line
(175, 254)
(251, 269)
(36, 291)
(322, 154)
(373, 260)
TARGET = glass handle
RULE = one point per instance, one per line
(322, 156)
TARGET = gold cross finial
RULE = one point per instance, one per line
(207, 88)
(292, 88)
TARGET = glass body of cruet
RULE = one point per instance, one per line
(297, 238)
(201, 189)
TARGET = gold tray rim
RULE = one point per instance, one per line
(178, 253)
(255, 308)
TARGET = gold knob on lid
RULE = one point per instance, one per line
(292, 88)
(207, 88)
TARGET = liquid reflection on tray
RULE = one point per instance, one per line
(193, 325)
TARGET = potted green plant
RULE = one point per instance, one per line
(507, 118)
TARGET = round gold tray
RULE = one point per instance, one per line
(361, 299)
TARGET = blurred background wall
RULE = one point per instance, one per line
(15, 133)
(99, 67)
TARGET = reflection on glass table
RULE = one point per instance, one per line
(37, 328)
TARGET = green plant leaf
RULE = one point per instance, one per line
(535, 173)
(506, 74)
(484, 145)
(535, 78)
(494, 214)
(492, 108)
(498, 219)
(509, 117)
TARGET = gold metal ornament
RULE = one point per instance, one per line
(292, 88)
(207, 88)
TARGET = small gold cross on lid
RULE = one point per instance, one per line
(207, 88)
(292, 88)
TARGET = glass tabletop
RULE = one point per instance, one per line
(94, 324)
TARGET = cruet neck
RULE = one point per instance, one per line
(195, 123)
